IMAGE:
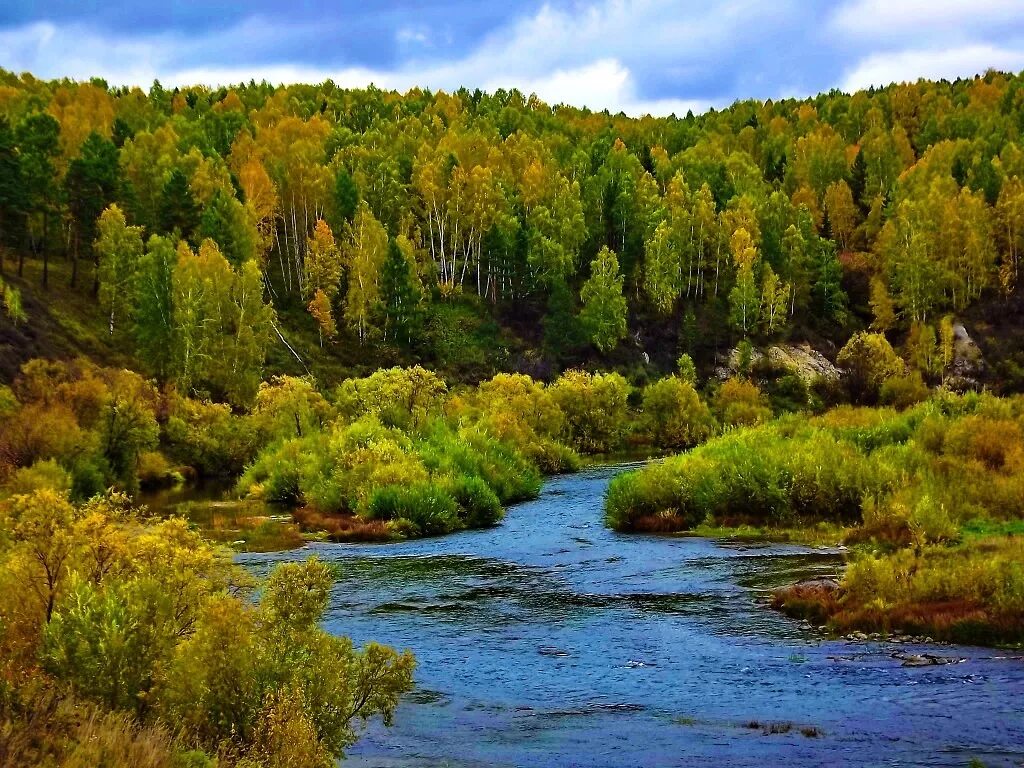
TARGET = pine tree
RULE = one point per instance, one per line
(178, 210)
(12, 190)
(38, 139)
(399, 297)
(91, 184)
(346, 197)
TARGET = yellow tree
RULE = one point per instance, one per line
(1010, 219)
(774, 297)
(364, 255)
(842, 212)
(743, 298)
(323, 269)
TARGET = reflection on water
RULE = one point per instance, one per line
(247, 525)
(552, 641)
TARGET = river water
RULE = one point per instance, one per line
(552, 641)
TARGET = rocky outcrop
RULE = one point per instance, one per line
(968, 366)
(801, 359)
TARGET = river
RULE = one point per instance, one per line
(551, 641)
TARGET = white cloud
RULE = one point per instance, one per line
(885, 19)
(902, 66)
(579, 57)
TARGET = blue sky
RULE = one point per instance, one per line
(656, 56)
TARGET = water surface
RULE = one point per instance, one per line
(552, 641)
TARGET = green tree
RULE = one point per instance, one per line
(118, 247)
(364, 254)
(153, 314)
(346, 196)
(743, 298)
(868, 360)
(399, 297)
(225, 221)
(178, 211)
(38, 138)
(603, 315)
(91, 184)
(674, 415)
(12, 189)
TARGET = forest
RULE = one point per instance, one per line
(476, 232)
(392, 315)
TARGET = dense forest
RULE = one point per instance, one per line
(391, 315)
(477, 232)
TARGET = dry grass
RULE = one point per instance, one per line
(342, 527)
(43, 727)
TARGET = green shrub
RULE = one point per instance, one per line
(430, 509)
(479, 506)
(674, 416)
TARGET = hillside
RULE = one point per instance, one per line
(475, 233)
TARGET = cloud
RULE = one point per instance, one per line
(636, 56)
(585, 56)
(902, 66)
(884, 19)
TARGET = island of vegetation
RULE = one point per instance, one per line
(389, 315)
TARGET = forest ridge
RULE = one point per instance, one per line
(200, 215)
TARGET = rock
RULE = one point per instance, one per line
(925, 659)
(800, 359)
(968, 366)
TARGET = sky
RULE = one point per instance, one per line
(639, 56)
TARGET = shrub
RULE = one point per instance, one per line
(739, 402)
(868, 360)
(429, 508)
(674, 416)
(479, 506)
(903, 391)
(594, 405)
(398, 397)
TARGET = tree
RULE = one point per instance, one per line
(842, 212)
(11, 299)
(603, 315)
(178, 211)
(323, 268)
(118, 248)
(91, 184)
(12, 190)
(250, 329)
(320, 308)
(364, 254)
(1010, 218)
(399, 297)
(235, 676)
(323, 262)
(743, 298)
(153, 315)
(881, 306)
(225, 221)
(346, 196)
(41, 524)
(868, 361)
(774, 298)
(674, 415)
(288, 406)
(594, 405)
(38, 138)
